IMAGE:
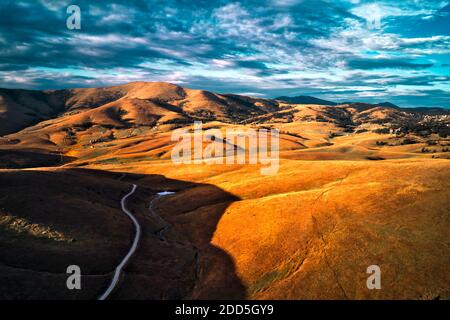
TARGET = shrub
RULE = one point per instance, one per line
(382, 131)
(409, 141)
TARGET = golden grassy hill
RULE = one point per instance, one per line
(311, 231)
(357, 185)
(22, 108)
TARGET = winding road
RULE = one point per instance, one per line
(133, 248)
(159, 233)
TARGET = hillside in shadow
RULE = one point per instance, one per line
(53, 218)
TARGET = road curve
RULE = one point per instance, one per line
(133, 248)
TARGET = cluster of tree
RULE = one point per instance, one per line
(205, 115)
(409, 141)
(425, 128)
(382, 131)
(178, 121)
(86, 124)
(426, 150)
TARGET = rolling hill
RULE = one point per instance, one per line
(153, 102)
(358, 184)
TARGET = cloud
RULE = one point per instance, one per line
(367, 64)
(266, 47)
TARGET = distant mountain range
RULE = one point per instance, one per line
(314, 100)
(306, 100)
(445, 9)
(386, 104)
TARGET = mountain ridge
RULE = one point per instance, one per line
(151, 103)
(306, 100)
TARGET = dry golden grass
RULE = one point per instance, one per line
(311, 231)
(308, 232)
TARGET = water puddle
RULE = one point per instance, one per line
(165, 193)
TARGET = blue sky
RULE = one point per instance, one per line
(349, 50)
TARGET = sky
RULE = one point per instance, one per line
(348, 50)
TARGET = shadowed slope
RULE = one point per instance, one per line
(75, 219)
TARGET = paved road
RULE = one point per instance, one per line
(133, 248)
